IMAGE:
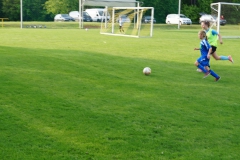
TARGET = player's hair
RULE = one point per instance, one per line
(207, 23)
(203, 33)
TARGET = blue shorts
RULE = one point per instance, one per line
(203, 60)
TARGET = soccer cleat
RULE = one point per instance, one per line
(217, 79)
(206, 74)
(230, 58)
(199, 70)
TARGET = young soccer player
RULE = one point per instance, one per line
(203, 61)
(213, 37)
(121, 25)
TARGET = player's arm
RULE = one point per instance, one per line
(209, 53)
(219, 36)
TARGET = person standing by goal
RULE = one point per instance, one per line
(121, 25)
(213, 37)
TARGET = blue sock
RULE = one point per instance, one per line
(202, 68)
(224, 57)
(214, 74)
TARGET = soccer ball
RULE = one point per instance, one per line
(146, 70)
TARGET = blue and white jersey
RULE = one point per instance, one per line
(204, 47)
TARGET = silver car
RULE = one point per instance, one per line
(63, 17)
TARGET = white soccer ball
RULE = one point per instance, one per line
(147, 70)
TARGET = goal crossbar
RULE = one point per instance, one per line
(132, 7)
(226, 3)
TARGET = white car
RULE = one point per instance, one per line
(207, 17)
(178, 19)
(98, 14)
(75, 15)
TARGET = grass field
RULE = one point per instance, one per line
(70, 94)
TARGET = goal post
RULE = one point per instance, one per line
(131, 20)
(229, 12)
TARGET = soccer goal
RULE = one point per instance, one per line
(134, 21)
(227, 19)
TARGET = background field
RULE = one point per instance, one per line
(76, 94)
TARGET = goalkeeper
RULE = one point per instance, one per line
(121, 25)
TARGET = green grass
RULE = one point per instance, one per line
(48, 25)
(75, 94)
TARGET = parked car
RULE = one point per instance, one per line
(207, 17)
(222, 21)
(98, 14)
(178, 19)
(75, 15)
(124, 18)
(147, 19)
(213, 19)
(63, 17)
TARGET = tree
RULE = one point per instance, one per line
(189, 2)
(191, 11)
(162, 8)
(33, 10)
(204, 5)
(1, 14)
(61, 6)
(11, 9)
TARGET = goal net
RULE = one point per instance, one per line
(128, 21)
(227, 19)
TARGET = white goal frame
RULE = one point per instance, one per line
(104, 3)
(218, 10)
(138, 23)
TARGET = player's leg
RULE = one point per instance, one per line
(214, 53)
(217, 77)
(230, 58)
(205, 63)
(216, 57)
(198, 64)
(199, 70)
(222, 57)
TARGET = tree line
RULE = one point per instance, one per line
(45, 10)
